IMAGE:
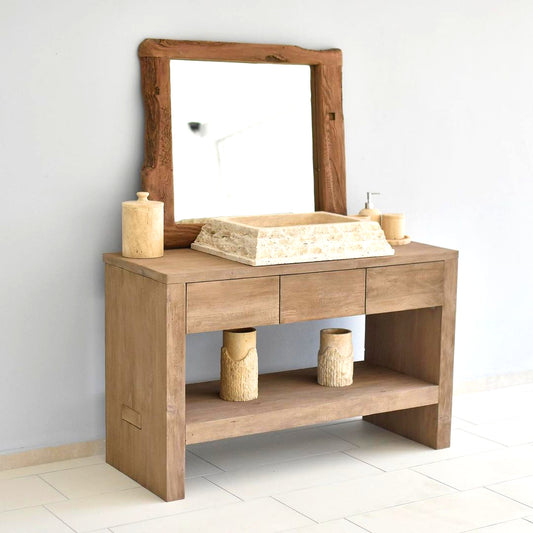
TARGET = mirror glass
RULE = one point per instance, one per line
(241, 139)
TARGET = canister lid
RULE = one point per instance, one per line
(143, 202)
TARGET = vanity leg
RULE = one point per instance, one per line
(145, 381)
(419, 343)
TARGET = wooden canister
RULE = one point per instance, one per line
(335, 358)
(239, 372)
(393, 225)
(142, 228)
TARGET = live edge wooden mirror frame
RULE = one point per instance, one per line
(327, 118)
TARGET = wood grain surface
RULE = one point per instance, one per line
(239, 303)
(294, 398)
(404, 287)
(240, 52)
(404, 384)
(420, 343)
(322, 295)
(186, 265)
(145, 381)
(326, 104)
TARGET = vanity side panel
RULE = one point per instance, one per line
(145, 381)
(419, 343)
(408, 342)
(447, 353)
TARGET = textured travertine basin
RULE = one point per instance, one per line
(292, 238)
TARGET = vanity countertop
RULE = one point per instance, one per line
(184, 265)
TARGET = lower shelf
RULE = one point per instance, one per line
(294, 398)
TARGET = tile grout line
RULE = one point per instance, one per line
(223, 488)
(469, 488)
(338, 437)
(490, 440)
(490, 525)
(179, 513)
(50, 485)
(461, 456)
(509, 497)
(466, 454)
(48, 509)
(91, 495)
(401, 505)
(258, 465)
(41, 506)
(364, 462)
(59, 518)
(312, 486)
(438, 480)
(207, 461)
(46, 471)
(508, 480)
(462, 419)
(478, 453)
(293, 509)
(357, 525)
(374, 510)
(455, 491)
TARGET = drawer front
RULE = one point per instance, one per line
(398, 288)
(322, 295)
(236, 303)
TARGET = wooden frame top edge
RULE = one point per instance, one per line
(239, 52)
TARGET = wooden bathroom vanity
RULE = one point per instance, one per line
(404, 384)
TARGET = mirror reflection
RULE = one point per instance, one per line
(242, 139)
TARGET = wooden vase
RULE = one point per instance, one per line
(239, 373)
(142, 228)
(335, 358)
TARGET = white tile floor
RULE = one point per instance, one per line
(346, 477)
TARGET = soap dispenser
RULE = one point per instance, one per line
(370, 210)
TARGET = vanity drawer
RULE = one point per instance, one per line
(236, 303)
(322, 295)
(398, 288)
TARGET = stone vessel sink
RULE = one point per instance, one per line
(291, 238)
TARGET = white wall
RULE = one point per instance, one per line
(439, 118)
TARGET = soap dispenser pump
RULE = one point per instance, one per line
(370, 210)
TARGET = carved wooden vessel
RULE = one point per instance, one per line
(239, 370)
(335, 358)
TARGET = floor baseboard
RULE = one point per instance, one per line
(497, 381)
(51, 454)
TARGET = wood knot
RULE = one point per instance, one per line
(276, 58)
(157, 90)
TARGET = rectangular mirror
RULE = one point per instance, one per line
(242, 135)
(260, 131)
